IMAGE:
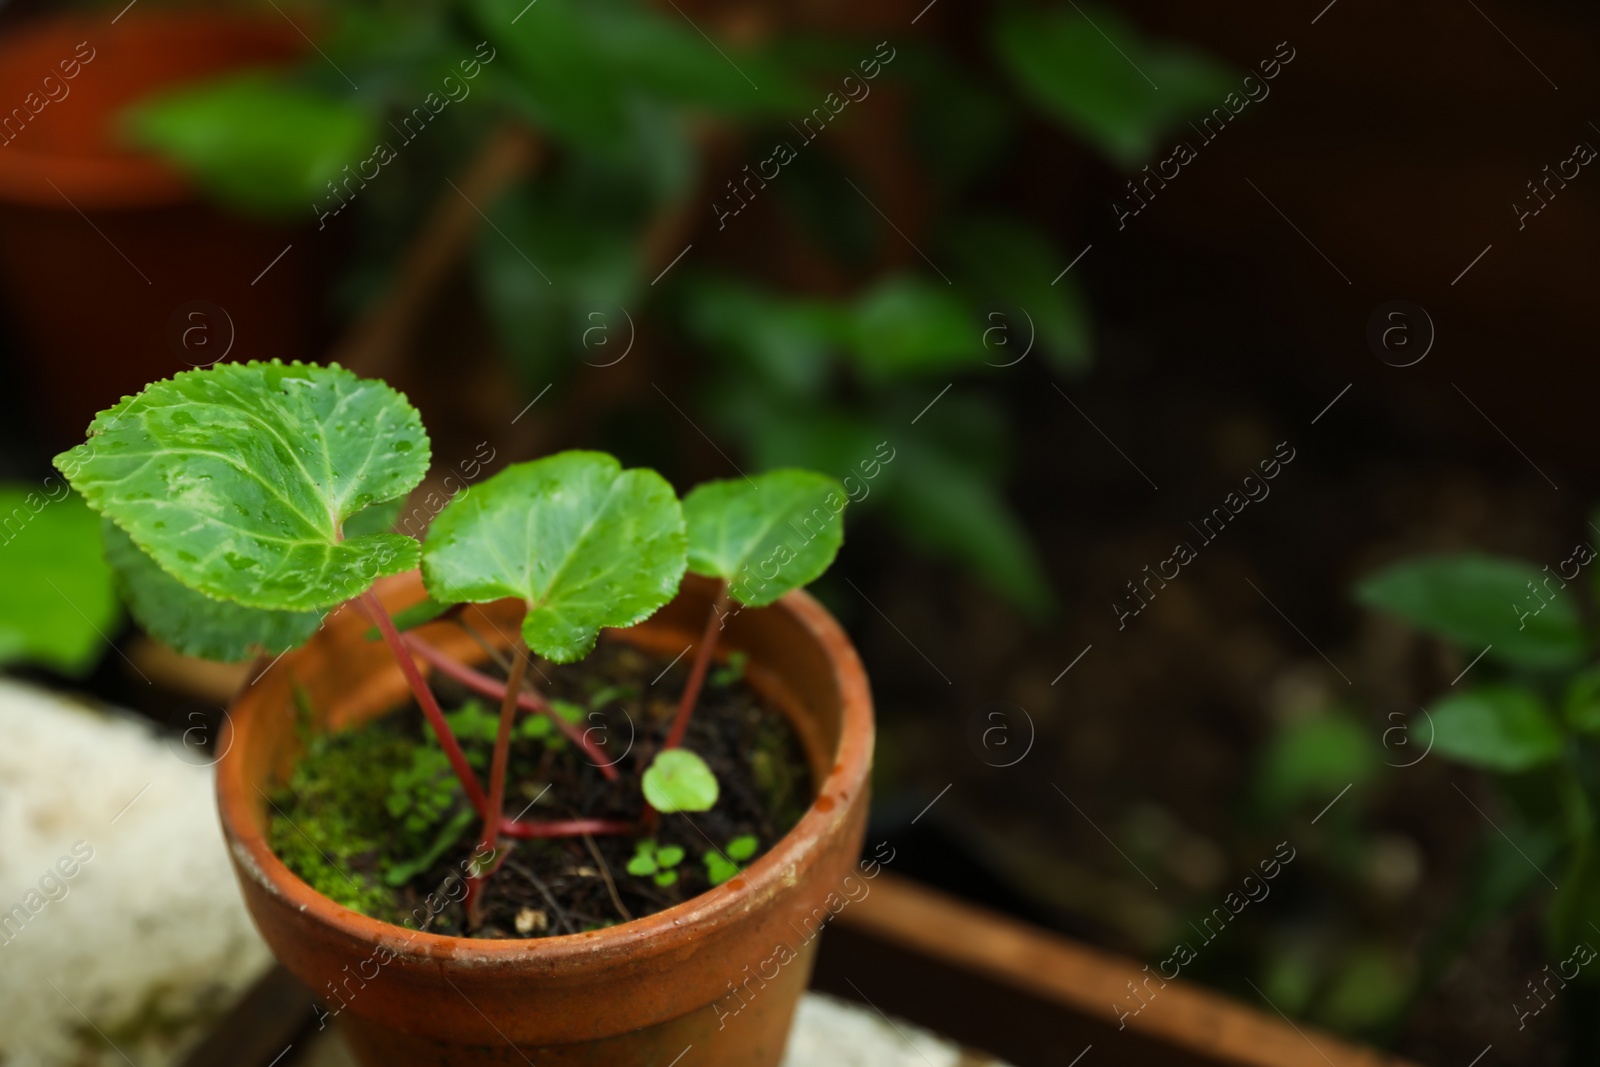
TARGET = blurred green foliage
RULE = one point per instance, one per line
(57, 602)
(1526, 713)
(1527, 717)
(626, 96)
(1100, 77)
(1469, 599)
(253, 142)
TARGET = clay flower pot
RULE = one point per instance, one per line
(714, 980)
(107, 255)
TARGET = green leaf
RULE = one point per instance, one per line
(1313, 758)
(472, 721)
(1480, 600)
(559, 67)
(643, 862)
(606, 694)
(1496, 727)
(584, 543)
(236, 479)
(1571, 911)
(557, 268)
(582, 64)
(946, 507)
(1013, 268)
(1370, 989)
(906, 326)
(667, 878)
(569, 711)
(730, 672)
(57, 602)
(665, 58)
(789, 342)
(1505, 868)
(254, 142)
(961, 125)
(790, 522)
(678, 780)
(1580, 707)
(670, 856)
(377, 519)
(1095, 73)
(743, 847)
(193, 623)
(718, 868)
(398, 874)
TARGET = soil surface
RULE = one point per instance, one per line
(374, 806)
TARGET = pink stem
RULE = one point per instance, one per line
(430, 704)
(497, 785)
(702, 663)
(567, 828)
(489, 687)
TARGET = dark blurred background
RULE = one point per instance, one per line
(1354, 272)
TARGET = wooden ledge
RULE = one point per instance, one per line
(1035, 997)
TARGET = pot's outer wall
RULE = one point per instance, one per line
(640, 992)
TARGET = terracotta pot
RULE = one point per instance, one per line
(696, 981)
(104, 251)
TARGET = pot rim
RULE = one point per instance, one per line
(663, 932)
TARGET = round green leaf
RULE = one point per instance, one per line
(678, 780)
(237, 479)
(1496, 727)
(765, 535)
(718, 869)
(57, 602)
(583, 542)
(193, 623)
(743, 847)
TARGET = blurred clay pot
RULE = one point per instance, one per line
(114, 271)
(641, 993)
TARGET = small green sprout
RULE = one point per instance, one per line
(720, 866)
(424, 791)
(472, 722)
(730, 672)
(540, 728)
(679, 780)
(648, 860)
(607, 694)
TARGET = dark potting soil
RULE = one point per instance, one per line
(374, 819)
